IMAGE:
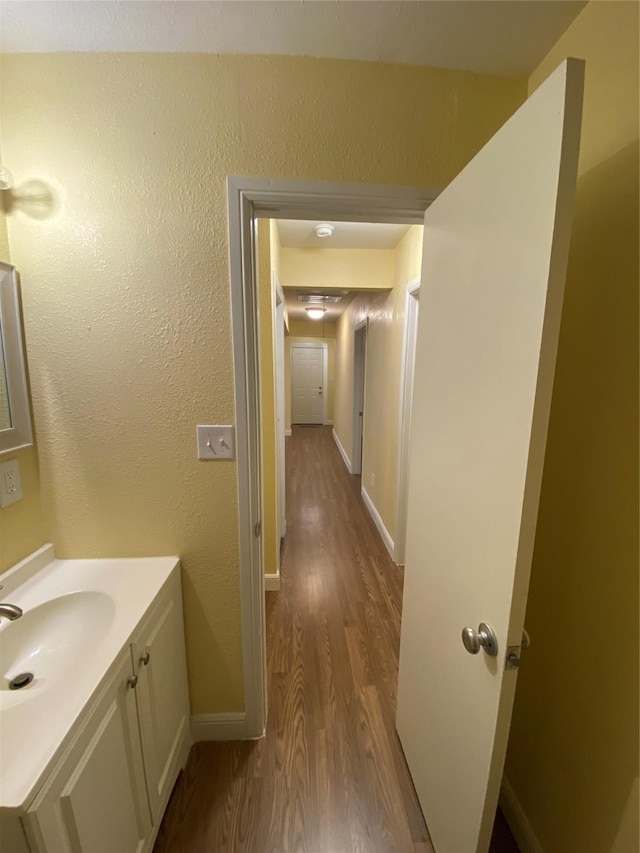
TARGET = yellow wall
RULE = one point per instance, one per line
(385, 334)
(21, 524)
(126, 283)
(573, 752)
(343, 269)
(312, 328)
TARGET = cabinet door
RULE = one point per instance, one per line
(12, 837)
(163, 704)
(96, 801)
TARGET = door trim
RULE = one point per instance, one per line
(406, 400)
(358, 394)
(325, 371)
(249, 198)
(279, 314)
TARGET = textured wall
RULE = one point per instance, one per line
(126, 284)
(573, 750)
(385, 334)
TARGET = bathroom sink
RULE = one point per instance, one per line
(52, 641)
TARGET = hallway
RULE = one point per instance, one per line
(330, 776)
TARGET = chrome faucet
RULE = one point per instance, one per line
(11, 611)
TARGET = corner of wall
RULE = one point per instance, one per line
(572, 761)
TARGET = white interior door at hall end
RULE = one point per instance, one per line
(494, 263)
(307, 387)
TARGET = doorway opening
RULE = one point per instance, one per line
(244, 212)
(250, 199)
(359, 371)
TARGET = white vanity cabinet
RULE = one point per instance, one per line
(108, 791)
(95, 800)
(161, 694)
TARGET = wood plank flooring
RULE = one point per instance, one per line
(330, 776)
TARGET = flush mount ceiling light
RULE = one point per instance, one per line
(324, 229)
(315, 313)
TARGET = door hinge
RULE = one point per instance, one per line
(512, 658)
(258, 529)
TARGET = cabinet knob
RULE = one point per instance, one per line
(132, 682)
(144, 660)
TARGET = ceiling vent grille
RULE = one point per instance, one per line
(316, 299)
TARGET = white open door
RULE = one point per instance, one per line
(493, 270)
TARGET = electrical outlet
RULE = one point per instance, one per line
(10, 482)
(215, 442)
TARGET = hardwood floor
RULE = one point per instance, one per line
(330, 776)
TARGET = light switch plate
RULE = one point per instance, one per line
(10, 482)
(216, 442)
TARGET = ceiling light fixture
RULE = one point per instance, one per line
(6, 178)
(324, 229)
(315, 313)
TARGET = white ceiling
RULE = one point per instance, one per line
(299, 234)
(493, 36)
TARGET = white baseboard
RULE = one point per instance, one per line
(518, 822)
(219, 726)
(287, 432)
(375, 515)
(328, 423)
(272, 582)
(343, 452)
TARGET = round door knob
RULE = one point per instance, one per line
(484, 638)
(144, 660)
(132, 682)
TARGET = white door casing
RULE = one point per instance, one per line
(359, 382)
(308, 372)
(278, 198)
(492, 289)
(278, 354)
(412, 306)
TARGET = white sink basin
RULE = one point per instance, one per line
(78, 615)
(51, 640)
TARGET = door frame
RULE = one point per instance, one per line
(278, 364)
(406, 402)
(358, 394)
(249, 198)
(325, 371)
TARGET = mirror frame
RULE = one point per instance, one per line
(19, 433)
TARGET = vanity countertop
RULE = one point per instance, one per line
(78, 615)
